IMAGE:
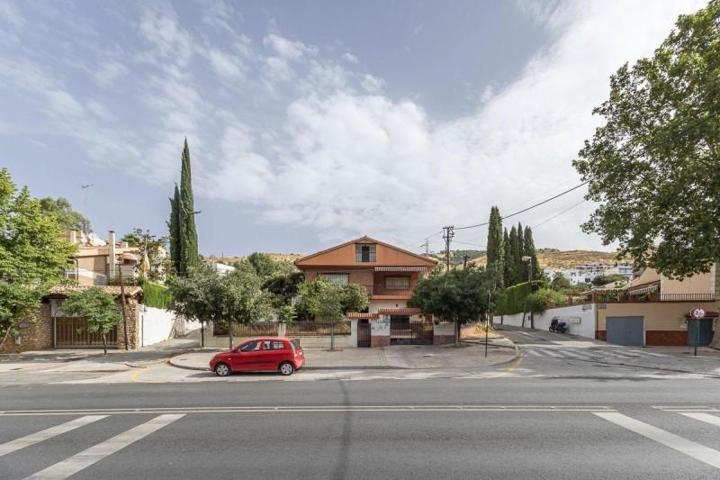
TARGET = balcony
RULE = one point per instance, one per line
(379, 291)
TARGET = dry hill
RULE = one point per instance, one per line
(553, 258)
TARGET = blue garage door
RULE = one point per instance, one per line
(625, 331)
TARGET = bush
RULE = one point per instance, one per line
(538, 302)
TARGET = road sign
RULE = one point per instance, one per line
(697, 313)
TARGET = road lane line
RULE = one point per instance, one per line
(695, 450)
(94, 454)
(703, 417)
(51, 432)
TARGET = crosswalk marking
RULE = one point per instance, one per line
(94, 454)
(703, 417)
(590, 354)
(683, 445)
(51, 432)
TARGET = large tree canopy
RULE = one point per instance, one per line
(67, 217)
(33, 254)
(654, 166)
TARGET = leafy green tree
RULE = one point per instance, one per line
(495, 247)
(33, 255)
(653, 164)
(68, 218)
(241, 300)
(175, 231)
(284, 287)
(459, 296)
(601, 280)
(155, 246)
(286, 313)
(538, 302)
(329, 302)
(195, 296)
(98, 308)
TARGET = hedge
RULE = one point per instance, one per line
(155, 295)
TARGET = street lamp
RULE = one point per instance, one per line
(527, 258)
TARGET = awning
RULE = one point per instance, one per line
(400, 311)
(362, 315)
(400, 269)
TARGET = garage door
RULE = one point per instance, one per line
(625, 331)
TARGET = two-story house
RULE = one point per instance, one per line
(389, 274)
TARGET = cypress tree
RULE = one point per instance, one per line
(514, 259)
(495, 247)
(508, 267)
(522, 266)
(174, 229)
(188, 235)
(529, 244)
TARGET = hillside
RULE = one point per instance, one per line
(278, 257)
(553, 258)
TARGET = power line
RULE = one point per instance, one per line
(527, 208)
(470, 243)
(560, 213)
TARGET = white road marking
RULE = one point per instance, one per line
(703, 417)
(94, 454)
(577, 355)
(51, 432)
(551, 353)
(651, 354)
(322, 409)
(695, 450)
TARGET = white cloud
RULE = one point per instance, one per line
(225, 65)
(290, 50)
(109, 71)
(356, 163)
(350, 58)
(372, 84)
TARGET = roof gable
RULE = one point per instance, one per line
(343, 255)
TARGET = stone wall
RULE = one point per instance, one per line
(37, 334)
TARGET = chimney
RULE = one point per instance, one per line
(73, 237)
(111, 255)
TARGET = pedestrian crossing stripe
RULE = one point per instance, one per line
(96, 453)
(588, 355)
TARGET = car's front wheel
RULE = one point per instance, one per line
(222, 370)
(286, 368)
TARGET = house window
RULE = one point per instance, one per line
(397, 283)
(336, 278)
(364, 253)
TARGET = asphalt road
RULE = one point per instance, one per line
(538, 425)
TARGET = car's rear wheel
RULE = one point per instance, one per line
(286, 368)
(222, 370)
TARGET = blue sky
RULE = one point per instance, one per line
(311, 122)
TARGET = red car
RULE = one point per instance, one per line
(266, 354)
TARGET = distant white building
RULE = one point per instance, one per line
(589, 272)
(223, 269)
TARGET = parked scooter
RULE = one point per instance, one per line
(558, 326)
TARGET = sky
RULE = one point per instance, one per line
(314, 122)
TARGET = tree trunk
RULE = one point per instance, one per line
(332, 336)
(104, 339)
(523, 320)
(532, 320)
(457, 333)
(5, 337)
(122, 304)
(202, 334)
(230, 334)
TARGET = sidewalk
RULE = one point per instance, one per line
(469, 355)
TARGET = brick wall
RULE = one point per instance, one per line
(666, 337)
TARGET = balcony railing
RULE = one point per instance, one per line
(380, 289)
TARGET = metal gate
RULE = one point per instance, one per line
(363, 333)
(626, 331)
(72, 332)
(700, 332)
(405, 332)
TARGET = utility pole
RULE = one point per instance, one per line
(448, 234)
(426, 244)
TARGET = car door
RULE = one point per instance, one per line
(268, 358)
(246, 357)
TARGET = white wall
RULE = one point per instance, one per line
(157, 325)
(580, 318)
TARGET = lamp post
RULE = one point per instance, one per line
(527, 258)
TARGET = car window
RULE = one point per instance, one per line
(250, 346)
(278, 345)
